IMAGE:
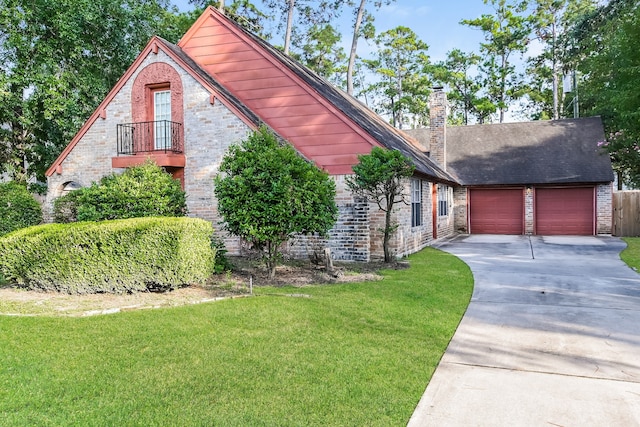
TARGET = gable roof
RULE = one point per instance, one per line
(153, 46)
(537, 152)
(322, 122)
(262, 85)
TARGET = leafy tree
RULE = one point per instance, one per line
(604, 50)
(465, 91)
(403, 88)
(380, 176)
(140, 191)
(506, 33)
(267, 193)
(322, 53)
(550, 21)
(57, 61)
(18, 208)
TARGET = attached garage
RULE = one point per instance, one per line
(564, 211)
(496, 211)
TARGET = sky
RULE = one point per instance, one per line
(436, 22)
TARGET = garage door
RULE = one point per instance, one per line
(567, 211)
(496, 211)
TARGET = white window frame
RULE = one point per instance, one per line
(416, 202)
(443, 200)
(162, 119)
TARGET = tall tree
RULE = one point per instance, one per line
(464, 90)
(403, 88)
(362, 27)
(57, 61)
(506, 33)
(299, 16)
(604, 49)
(550, 21)
(321, 51)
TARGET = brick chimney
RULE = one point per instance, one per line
(438, 126)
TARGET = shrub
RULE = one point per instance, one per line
(18, 208)
(140, 191)
(267, 193)
(222, 263)
(110, 256)
(65, 208)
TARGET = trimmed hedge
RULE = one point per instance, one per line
(116, 256)
(18, 208)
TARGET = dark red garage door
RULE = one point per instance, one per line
(567, 211)
(496, 211)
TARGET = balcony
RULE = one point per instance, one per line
(162, 141)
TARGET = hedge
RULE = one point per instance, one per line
(140, 191)
(18, 208)
(116, 256)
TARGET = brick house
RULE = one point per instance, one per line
(183, 105)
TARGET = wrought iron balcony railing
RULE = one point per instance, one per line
(147, 137)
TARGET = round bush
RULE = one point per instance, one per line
(141, 191)
(18, 208)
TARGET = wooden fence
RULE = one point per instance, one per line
(626, 213)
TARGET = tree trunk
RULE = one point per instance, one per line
(221, 6)
(354, 46)
(503, 85)
(387, 237)
(554, 67)
(287, 36)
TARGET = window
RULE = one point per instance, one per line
(416, 202)
(443, 200)
(162, 119)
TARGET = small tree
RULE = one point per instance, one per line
(379, 176)
(267, 193)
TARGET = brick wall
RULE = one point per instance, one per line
(438, 126)
(604, 206)
(460, 209)
(528, 211)
(209, 131)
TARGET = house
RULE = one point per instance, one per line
(183, 105)
(540, 177)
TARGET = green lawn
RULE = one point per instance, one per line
(631, 255)
(348, 355)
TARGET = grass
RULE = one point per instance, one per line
(631, 255)
(352, 354)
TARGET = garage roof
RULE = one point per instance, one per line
(538, 152)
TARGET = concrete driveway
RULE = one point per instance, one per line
(551, 337)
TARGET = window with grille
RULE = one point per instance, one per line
(162, 119)
(443, 200)
(416, 202)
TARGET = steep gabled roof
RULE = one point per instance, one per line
(325, 124)
(262, 85)
(158, 44)
(537, 152)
